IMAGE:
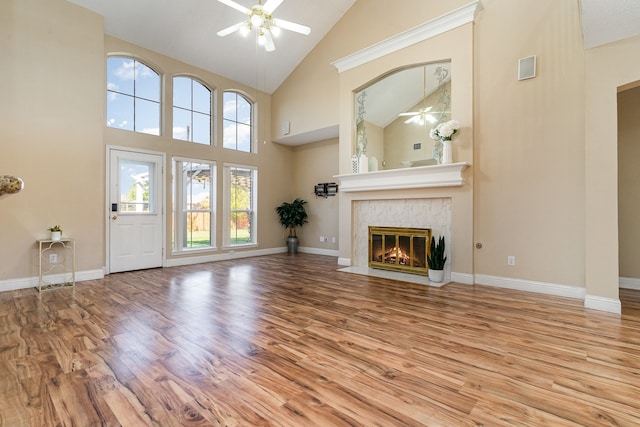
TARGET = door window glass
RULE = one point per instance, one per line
(136, 185)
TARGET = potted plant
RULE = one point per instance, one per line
(436, 259)
(292, 215)
(56, 233)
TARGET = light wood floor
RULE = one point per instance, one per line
(289, 341)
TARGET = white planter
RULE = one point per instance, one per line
(436, 275)
(56, 235)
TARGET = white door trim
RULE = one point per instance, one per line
(107, 205)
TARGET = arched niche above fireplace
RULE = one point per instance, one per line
(441, 47)
(395, 113)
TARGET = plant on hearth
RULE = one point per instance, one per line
(436, 257)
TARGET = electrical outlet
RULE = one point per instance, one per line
(333, 240)
(321, 238)
(511, 260)
(53, 258)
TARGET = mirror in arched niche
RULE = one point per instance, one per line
(395, 113)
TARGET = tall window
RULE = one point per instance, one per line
(237, 122)
(241, 201)
(193, 204)
(191, 111)
(133, 96)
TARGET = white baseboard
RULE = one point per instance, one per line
(531, 286)
(22, 283)
(610, 305)
(318, 251)
(594, 302)
(32, 282)
(464, 278)
(176, 262)
(629, 283)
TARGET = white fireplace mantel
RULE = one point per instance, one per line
(449, 175)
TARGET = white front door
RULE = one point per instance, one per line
(135, 210)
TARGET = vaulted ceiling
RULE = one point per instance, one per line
(186, 30)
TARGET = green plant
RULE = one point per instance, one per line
(55, 228)
(292, 215)
(436, 257)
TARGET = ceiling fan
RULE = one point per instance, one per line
(260, 17)
(422, 115)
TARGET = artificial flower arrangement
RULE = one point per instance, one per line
(444, 131)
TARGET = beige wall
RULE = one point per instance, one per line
(529, 156)
(53, 135)
(275, 173)
(544, 163)
(629, 182)
(309, 96)
(607, 68)
(313, 164)
(51, 120)
(528, 137)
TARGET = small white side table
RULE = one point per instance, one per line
(61, 270)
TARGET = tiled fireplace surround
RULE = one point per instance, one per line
(415, 213)
(421, 197)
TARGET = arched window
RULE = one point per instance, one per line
(237, 122)
(133, 96)
(191, 110)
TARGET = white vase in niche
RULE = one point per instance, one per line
(363, 163)
(447, 152)
(354, 164)
(373, 164)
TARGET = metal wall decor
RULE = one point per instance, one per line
(325, 189)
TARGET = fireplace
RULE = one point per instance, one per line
(399, 249)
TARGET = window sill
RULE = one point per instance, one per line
(239, 246)
(195, 250)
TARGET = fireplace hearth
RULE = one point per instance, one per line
(399, 249)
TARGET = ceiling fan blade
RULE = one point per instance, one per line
(231, 29)
(430, 118)
(292, 26)
(268, 42)
(410, 113)
(413, 119)
(271, 5)
(236, 6)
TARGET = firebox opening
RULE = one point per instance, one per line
(399, 249)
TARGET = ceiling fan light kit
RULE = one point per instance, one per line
(259, 17)
(421, 116)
